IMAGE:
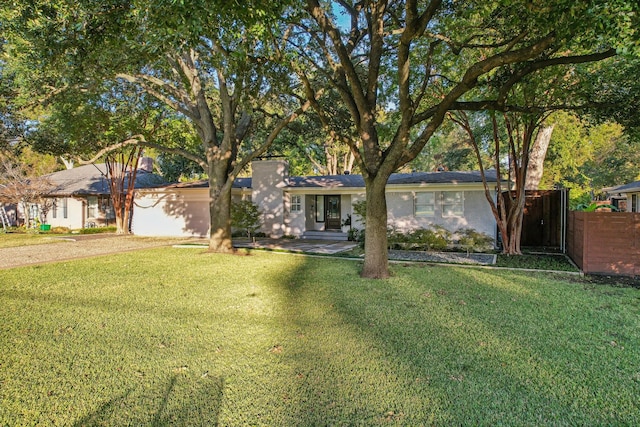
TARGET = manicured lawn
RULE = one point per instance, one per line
(10, 240)
(181, 337)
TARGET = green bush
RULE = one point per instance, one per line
(423, 239)
(438, 238)
(431, 239)
(360, 210)
(473, 241)
(98, 230)
(355, 235)
(245, 216)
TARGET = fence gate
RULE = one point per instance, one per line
(545, 218)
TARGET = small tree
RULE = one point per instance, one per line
(122, 169)
(20, 186)
(245, 216)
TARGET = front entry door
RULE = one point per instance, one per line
(332, 212)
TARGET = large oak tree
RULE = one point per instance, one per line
(416, 60)
(209, 62)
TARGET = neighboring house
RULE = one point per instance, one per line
(630, 192)
(11, 212)
(81, 196)
(319, 206)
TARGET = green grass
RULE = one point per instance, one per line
(182, 337)
(10, 240)
(557, 262)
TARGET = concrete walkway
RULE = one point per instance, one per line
(327, 247)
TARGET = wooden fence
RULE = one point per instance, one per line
(605, 242)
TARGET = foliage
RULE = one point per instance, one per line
(22, 182)
(401, 66)
(471, 240)
(285, 342)
(360, 210)
(551, 262)
(96, 230)
(438, 238)
(592, 207)
(587, 157)
(246, 216)
(210, 68)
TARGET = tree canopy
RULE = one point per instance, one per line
(381, 76)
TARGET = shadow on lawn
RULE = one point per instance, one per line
(438, 346)
(179, 403)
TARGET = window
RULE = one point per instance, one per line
(634, 203)
(296, 203)
(452, 203)
(64, 208)
(92, 207)
(34, 212)
(319, 208)
(424, 204)
(54, 209)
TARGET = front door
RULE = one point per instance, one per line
(332, 212)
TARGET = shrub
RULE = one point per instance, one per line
(431, 239)
(355, 235)
(60, 230)
(360, 210)
(245, 216)
(471, 240)
(98, 230)
(423, 239)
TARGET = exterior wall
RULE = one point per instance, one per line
(605, 242)
(631, 197)
(400, 205)
(268, 181)
(477, 212)
(295, 222)
(75, 214)
(174, 213)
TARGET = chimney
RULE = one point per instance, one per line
(145, 164)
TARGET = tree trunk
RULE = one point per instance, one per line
(537, 156)
(376, 251)
(220, 209)
(219, 205)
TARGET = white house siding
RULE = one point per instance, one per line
(171, 213)
(268, 182)
(400, 206)
(477, 212)
(294, 222)
(75, 214)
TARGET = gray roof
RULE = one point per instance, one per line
(356, 181)
(625, 188)
(415, 178)
(204, 183)
(91, 180)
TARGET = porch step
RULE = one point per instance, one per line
(325, 235)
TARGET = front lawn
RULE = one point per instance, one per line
(182, 337)
(10, 240)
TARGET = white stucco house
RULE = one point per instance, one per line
(317, 206)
